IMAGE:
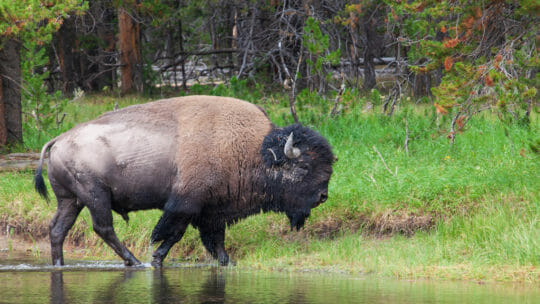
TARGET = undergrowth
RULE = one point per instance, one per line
(468, 210)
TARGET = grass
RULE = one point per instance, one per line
(466, 211)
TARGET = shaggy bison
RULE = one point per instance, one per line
(205, 161)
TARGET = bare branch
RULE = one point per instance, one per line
(384, 162)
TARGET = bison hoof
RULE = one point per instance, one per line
(228, 263)
(133, 263)
(58, 262)
(223, 260)
(156, 262)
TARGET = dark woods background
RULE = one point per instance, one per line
(460, 56)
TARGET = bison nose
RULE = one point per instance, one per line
(324, 197)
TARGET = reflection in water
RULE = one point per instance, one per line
(115, 287)
(213, 290)
(162, 291)
(228, 285)
(57, 287)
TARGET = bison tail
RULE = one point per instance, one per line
(39, 183)
(40, 186)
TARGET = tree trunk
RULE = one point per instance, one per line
(369, 71)
(422, 83)
(3, 127)
(66, 38)
(130, 56)
(106, 70)
(181, 44)
(10, 93)
(371, 43)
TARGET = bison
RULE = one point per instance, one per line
(205, 161)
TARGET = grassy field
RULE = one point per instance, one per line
(464, 211)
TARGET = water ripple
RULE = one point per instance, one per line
(93, 265)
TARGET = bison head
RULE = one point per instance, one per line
(298, 163)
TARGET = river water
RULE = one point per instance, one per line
(32, 281)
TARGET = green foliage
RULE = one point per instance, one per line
(376, 96)
(239, 88)
(43, 112)
(318, 45)
(482, 67)
(482, 195)
(33, 23)
(35, 16)
(149, 75)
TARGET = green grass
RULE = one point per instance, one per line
(480, 197)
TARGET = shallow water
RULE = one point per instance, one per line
(31, 281)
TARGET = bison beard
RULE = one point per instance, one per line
(297, 219)
(209, 170)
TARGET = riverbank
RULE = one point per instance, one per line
(468, 211)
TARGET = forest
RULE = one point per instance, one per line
(431, 107)
(462, 56)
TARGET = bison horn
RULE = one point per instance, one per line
(290, 150)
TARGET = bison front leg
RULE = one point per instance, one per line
(213, 238)
(174, 236)
(177, 215)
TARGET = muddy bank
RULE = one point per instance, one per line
(24, 246)
(378, 225)
(18, 245)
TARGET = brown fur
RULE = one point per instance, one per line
(198, 158)
(234, 146)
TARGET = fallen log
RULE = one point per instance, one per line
(19, 162)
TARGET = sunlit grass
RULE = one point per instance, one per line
(482, 194)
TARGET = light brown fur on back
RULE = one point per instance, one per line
(210, 140)
(219, 137)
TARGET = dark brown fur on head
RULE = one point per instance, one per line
(307, 140)
(299, 183)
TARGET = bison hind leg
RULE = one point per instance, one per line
(63, 220)
(97, 198)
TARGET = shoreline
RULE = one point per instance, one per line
(468, 212)
(17, 247)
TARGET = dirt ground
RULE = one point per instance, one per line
(19, 245)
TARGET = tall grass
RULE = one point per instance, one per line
(481, 195)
